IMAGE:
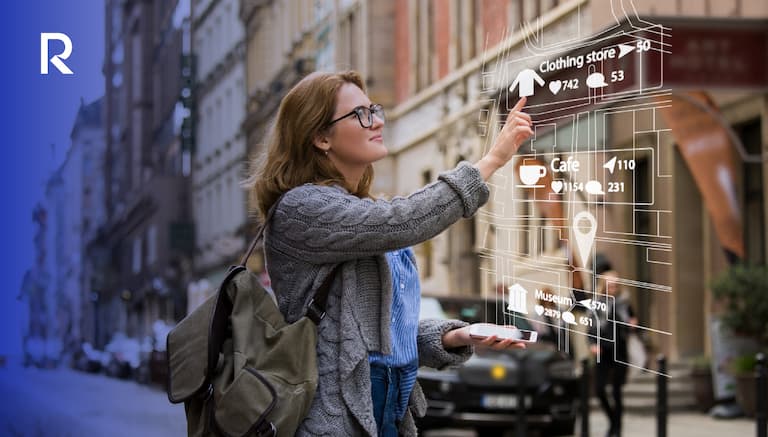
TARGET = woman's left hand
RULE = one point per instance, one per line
(460, 337)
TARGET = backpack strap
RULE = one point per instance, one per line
(223, 307)
(259, 233)
(316, 307)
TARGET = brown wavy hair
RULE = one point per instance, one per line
(291, 158)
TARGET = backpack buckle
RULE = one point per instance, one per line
(314, 313)
(207, 393)
(267, 429)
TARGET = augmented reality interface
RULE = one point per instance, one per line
(587, 187)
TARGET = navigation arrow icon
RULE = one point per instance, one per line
(625, 49)
(586, 302)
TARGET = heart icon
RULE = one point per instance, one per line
(554, 86)
(557, 186)
(539, 309)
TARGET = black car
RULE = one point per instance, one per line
(496, 391)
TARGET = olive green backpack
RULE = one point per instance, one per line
(239, 368)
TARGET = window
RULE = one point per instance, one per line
(117, 21)
(230, 21)
(324, 56)
(349, 41)
(754, 209)
(463, 31)
(423, 61)
(208, 128)
(117, 79)
(218, 42)
(186, 163)
(201, 214)
(218, 210)
(322, 9)
(136, 148)
(137, 66)
(228, 109)
(151, 244)
(643, 193)
(209, 212)
(218, 119)
(230, 206)
(516, 16)
(118, 53)
(88, 168)
(136, 256)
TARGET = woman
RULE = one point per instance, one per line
(612, 352)
(317, 174)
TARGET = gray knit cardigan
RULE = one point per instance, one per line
(317, 227)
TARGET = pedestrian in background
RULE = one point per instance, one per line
(317, 174)
(611, 350)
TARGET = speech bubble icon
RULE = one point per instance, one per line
(596, 80)
(594, 187)
(568, 317)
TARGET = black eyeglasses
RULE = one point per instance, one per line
(364, 115)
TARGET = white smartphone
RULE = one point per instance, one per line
(484, 330)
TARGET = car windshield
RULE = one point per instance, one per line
(430, 308)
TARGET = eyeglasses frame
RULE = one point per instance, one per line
(374, 108)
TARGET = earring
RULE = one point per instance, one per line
(326, 153)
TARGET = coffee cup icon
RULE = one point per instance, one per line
(530, 174)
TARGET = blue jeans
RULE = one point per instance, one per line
(385, 391)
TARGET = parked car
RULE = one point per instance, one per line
(486, 391)
(43, 353)
(87, 358)
(124, 356)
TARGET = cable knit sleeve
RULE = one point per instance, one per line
(430, 344)
(320, 224)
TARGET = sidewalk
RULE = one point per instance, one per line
(688, 424)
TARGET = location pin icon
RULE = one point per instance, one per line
(584, 240)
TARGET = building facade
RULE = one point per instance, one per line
(279, 44)
(286, 40)
(219, 204)
(33, 293)
(86, 192)
(56, 264)
(147, 242)
(449, 88)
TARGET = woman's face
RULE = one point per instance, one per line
(349, 145)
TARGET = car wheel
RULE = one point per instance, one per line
(489, 431)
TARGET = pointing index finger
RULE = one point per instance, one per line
(519, 105)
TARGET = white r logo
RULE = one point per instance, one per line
(56, 60)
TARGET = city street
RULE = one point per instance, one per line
(67, 403)
(63, 402)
